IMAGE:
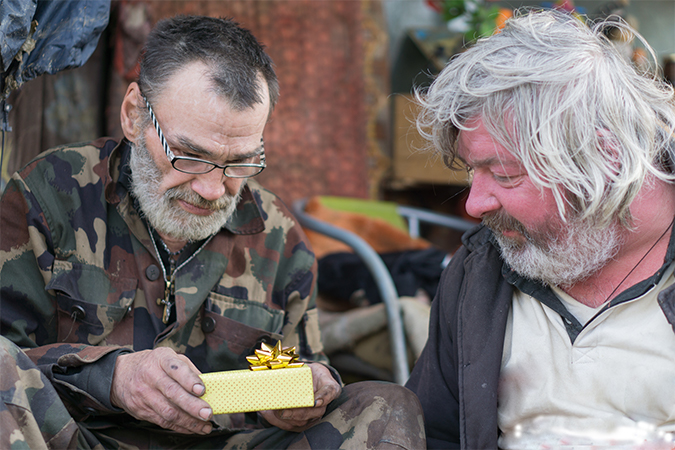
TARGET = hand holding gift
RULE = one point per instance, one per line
(326, 389)
(289, 394)
(162, 387)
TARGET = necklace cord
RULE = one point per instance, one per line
(609, 297)
(166, 247)
(169, 281)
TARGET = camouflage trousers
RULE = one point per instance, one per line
(368, 415)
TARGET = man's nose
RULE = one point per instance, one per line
(213, 185)
(481, 199)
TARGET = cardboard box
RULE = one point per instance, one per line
(410, 164)
(245, 390)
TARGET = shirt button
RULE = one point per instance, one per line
(208, 324)
(152, 272)
(77, 312)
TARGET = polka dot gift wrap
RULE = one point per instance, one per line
(245, 390)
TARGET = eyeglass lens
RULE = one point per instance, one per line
(238, 171)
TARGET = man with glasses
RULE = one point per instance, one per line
(127, 268)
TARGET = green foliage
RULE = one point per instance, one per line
(452, 9)
(481, 18)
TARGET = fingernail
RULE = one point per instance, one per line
(206, 429)
(318, 402)
(198, 389)
(205, 413)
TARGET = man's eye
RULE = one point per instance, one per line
(506, 179)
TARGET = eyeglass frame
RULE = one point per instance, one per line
(173, 158)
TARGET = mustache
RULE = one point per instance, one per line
(500, 222)
(189, 196)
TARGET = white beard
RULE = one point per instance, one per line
(557, 257)
(163, 211)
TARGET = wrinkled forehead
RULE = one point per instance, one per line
(195, 84)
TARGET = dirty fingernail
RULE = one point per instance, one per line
(198, 389)
(318, 402)
(205, 413)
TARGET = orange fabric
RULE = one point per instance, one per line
(378, 233)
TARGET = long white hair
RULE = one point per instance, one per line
(560, 96)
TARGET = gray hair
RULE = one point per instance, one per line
(234, 57)
(558, 94)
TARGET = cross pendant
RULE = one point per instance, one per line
(168, 292)
(166, 301)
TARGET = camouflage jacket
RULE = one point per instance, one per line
(80, 277)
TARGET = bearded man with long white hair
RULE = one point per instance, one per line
(553, 324)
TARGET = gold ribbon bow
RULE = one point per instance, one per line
(274, 358)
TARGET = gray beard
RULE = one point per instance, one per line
(163, 211)
(554, 258)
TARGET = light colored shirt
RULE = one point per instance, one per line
(613, 386)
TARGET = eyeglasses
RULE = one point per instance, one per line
(188, 164)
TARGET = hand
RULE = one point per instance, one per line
(326, 389)
(162, 387)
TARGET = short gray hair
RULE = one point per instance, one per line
(559, 95)
(234, 57)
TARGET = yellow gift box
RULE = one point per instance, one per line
(267, 385)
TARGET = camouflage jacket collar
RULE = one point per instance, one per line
(247, 219)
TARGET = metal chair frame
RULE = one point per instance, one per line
(378, 269)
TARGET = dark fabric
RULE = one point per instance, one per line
(342, 274)
(96, 378)
(65, 36)
(457, 375)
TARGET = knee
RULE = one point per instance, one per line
(393, 412)
(395, 395)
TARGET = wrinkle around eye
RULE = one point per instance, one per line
(508, 181)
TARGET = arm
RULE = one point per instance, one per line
(30, 311)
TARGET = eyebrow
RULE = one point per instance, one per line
(486, 162)
(185, 142)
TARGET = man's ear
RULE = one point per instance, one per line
(130, 113)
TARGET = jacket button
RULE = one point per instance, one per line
(208, 324)
(152, 272)
(77, 312)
